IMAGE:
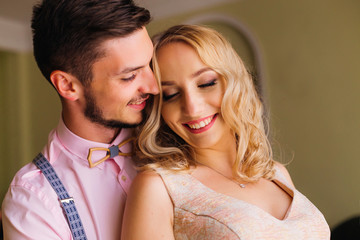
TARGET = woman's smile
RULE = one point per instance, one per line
(200, 125)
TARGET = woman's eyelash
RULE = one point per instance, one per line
(168, 97)
(205, 85)
(209, 84)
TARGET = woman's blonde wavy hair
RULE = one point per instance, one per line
(158, 147)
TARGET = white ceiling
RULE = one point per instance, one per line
(15, 17)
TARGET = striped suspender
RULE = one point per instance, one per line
(66, 201)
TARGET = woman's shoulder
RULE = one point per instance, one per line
(148, 207)
(148, 193)
(173, 185)
(282, 169)
(147, 182)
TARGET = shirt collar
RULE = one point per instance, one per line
(80, 146)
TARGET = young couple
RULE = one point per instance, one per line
(195, 130)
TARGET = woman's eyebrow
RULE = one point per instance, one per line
(167, 83)
(198, 73)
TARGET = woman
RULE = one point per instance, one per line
(210, 172)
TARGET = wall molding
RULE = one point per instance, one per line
(15, 36)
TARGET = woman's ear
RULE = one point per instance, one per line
(68, 86)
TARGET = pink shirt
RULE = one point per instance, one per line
(31, 209)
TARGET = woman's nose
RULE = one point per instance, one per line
(192, 104)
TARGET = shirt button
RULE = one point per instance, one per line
(123, 177)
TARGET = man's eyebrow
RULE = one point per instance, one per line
(129, 69)
(125, 71)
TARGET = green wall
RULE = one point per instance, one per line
(311, 54)
(10, 129)
(29, 110)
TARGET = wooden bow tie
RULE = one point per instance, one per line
(111, 152)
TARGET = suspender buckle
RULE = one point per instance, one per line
(67, 200)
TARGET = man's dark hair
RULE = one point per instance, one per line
(67, 34)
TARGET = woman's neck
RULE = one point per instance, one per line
(221, 158)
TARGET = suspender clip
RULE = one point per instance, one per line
(66, 200)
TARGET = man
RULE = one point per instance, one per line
(96, 54)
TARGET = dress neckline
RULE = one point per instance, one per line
(283, 186)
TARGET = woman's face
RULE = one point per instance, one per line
(192, 96)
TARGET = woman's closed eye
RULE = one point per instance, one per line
(208, 84)
(167, 97)
(170, 95)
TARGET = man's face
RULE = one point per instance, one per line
(122, 82)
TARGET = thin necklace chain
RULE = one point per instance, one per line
(242, 185)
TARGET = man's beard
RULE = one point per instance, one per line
(95, 114)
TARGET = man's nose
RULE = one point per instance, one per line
(149, 84)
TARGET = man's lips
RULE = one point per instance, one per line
(139, 103)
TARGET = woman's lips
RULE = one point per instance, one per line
(200, 125)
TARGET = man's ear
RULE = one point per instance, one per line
(68, 86)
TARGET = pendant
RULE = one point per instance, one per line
(242, 185)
